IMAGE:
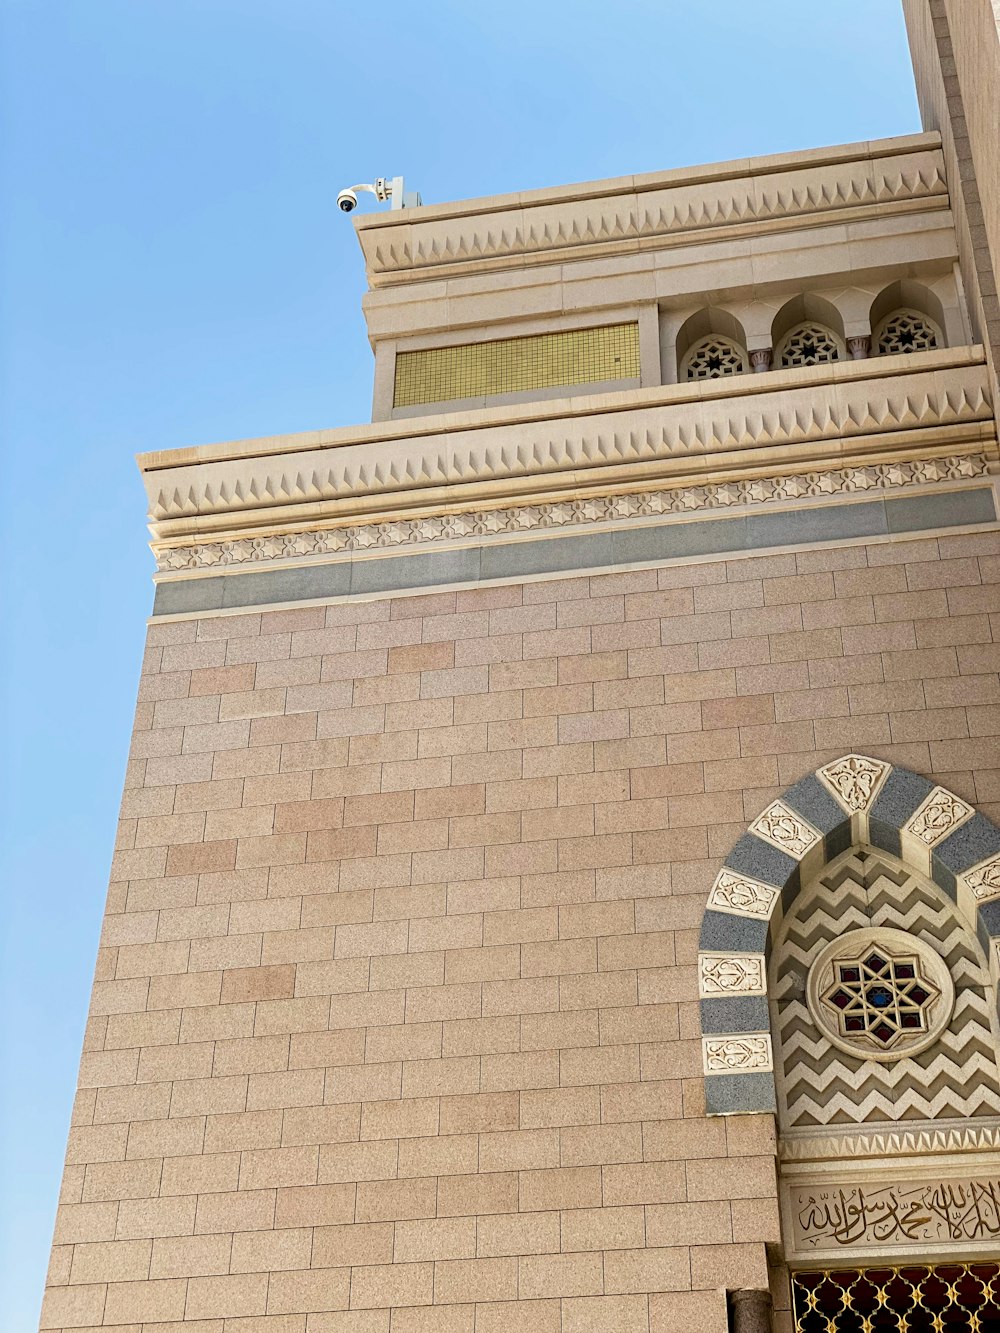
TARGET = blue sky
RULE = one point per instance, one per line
(173, 271)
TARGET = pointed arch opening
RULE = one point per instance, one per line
(711, 344)
(856, 803)
(807, 331)
(906, 317)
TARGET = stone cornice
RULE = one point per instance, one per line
(568, 409)
(872, 411)
(636, 213)
(891, 1140)
(285, 545)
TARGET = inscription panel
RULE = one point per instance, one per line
(878, 1218)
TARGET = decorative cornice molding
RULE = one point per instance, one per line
(653, 214)
(485, 524)
(899, 410)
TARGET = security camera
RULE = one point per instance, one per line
(385, 189)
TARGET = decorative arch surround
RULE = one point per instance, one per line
(854, 799)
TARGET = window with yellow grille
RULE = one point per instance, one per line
(517, 365)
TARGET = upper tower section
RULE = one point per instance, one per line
(568, 378)
(956, 63)
(648, 280)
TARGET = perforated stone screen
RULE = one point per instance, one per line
(905, 331)
(517, 365)
(808, 345)
(714, 357)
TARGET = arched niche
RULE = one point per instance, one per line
(881, 1004)
(710, 336)
(856, 801)
(806, 330)
(906, 317)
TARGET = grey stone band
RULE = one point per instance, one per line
(737, 1013)
(740, 1094)
(569, 553)
(900, 796)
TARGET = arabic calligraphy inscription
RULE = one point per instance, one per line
(836, 1217)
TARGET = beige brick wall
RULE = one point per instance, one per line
(975, 35)
(395, 1021)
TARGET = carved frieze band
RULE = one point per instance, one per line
(671, 210)
(840, 1217)
(897, 1141)
(554, 450)
(601, 509)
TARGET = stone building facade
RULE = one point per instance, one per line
(558, 879)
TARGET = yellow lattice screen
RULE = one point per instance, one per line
(517, 365)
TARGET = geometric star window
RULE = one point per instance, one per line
(905, 331)
(808, 345)
(714, 357)
(880, 996)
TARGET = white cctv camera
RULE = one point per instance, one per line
(385, 189)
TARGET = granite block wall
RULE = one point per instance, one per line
(395, 1019)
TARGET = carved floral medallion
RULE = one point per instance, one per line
(940, 814)
(731, 974)
(739, 1054)
(783, 828)
(855, 781)
(742, 896)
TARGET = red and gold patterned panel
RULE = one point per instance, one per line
(944, 1298)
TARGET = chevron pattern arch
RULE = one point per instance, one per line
(869, 892)
(869, 845)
